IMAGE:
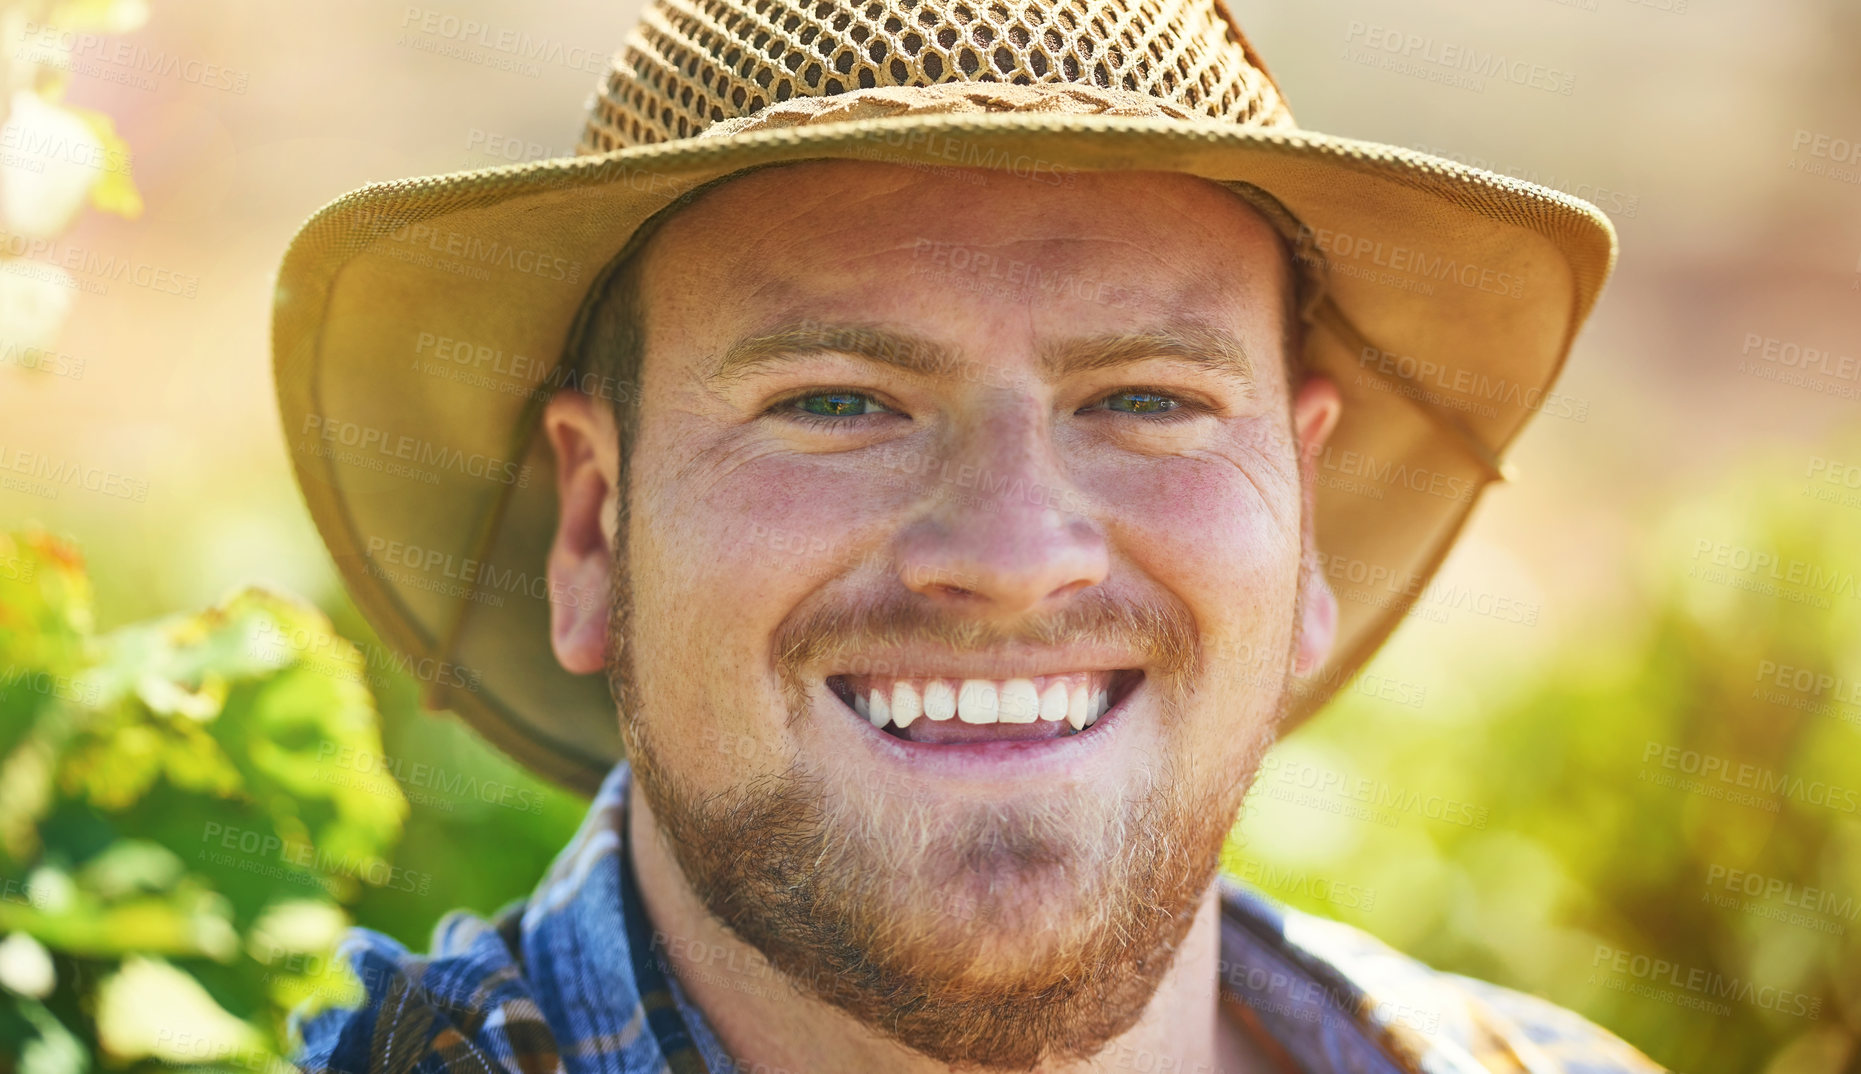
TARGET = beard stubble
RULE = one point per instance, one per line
(998, 936)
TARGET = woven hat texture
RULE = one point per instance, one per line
(695, 63)
(1442, 299)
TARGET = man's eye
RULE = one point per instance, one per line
(836, 404)
(1141, 403)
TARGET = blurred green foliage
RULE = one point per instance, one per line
(1653, 819)
(177, 847)
(192, 811)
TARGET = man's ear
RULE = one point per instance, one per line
(1315, 411)
(581, 430)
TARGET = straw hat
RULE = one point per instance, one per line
(420, 324)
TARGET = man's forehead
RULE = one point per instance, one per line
(841, 255)
(961, 219)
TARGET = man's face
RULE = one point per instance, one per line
(915, 441)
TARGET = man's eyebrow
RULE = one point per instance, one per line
(901, 350)
(1207, 347)
(1210, 348)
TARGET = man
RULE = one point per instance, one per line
(939, 400)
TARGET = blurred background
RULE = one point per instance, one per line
(1636, 790)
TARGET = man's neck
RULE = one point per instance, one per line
(764, 1022)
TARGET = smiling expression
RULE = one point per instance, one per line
(972, 516)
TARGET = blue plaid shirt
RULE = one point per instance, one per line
(571, 981)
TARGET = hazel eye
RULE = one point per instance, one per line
(833, 410)
(1139, 402)
(836, 404)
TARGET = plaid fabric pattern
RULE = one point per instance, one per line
(572, 981)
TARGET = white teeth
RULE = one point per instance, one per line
(976, 702)
(1020, 701)
(939, 700)
(905, 703)
(984, 701)
(1053, 702)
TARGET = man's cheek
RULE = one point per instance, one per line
(1207, 530)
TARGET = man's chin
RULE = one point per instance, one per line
(989, 936)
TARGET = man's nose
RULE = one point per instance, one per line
(1005, 532)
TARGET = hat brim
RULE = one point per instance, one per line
(419, 323)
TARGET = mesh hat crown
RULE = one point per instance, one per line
(1441, 299)
(695, 63)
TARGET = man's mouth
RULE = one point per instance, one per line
(937, 709)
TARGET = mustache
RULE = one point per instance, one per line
(1161, 630)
